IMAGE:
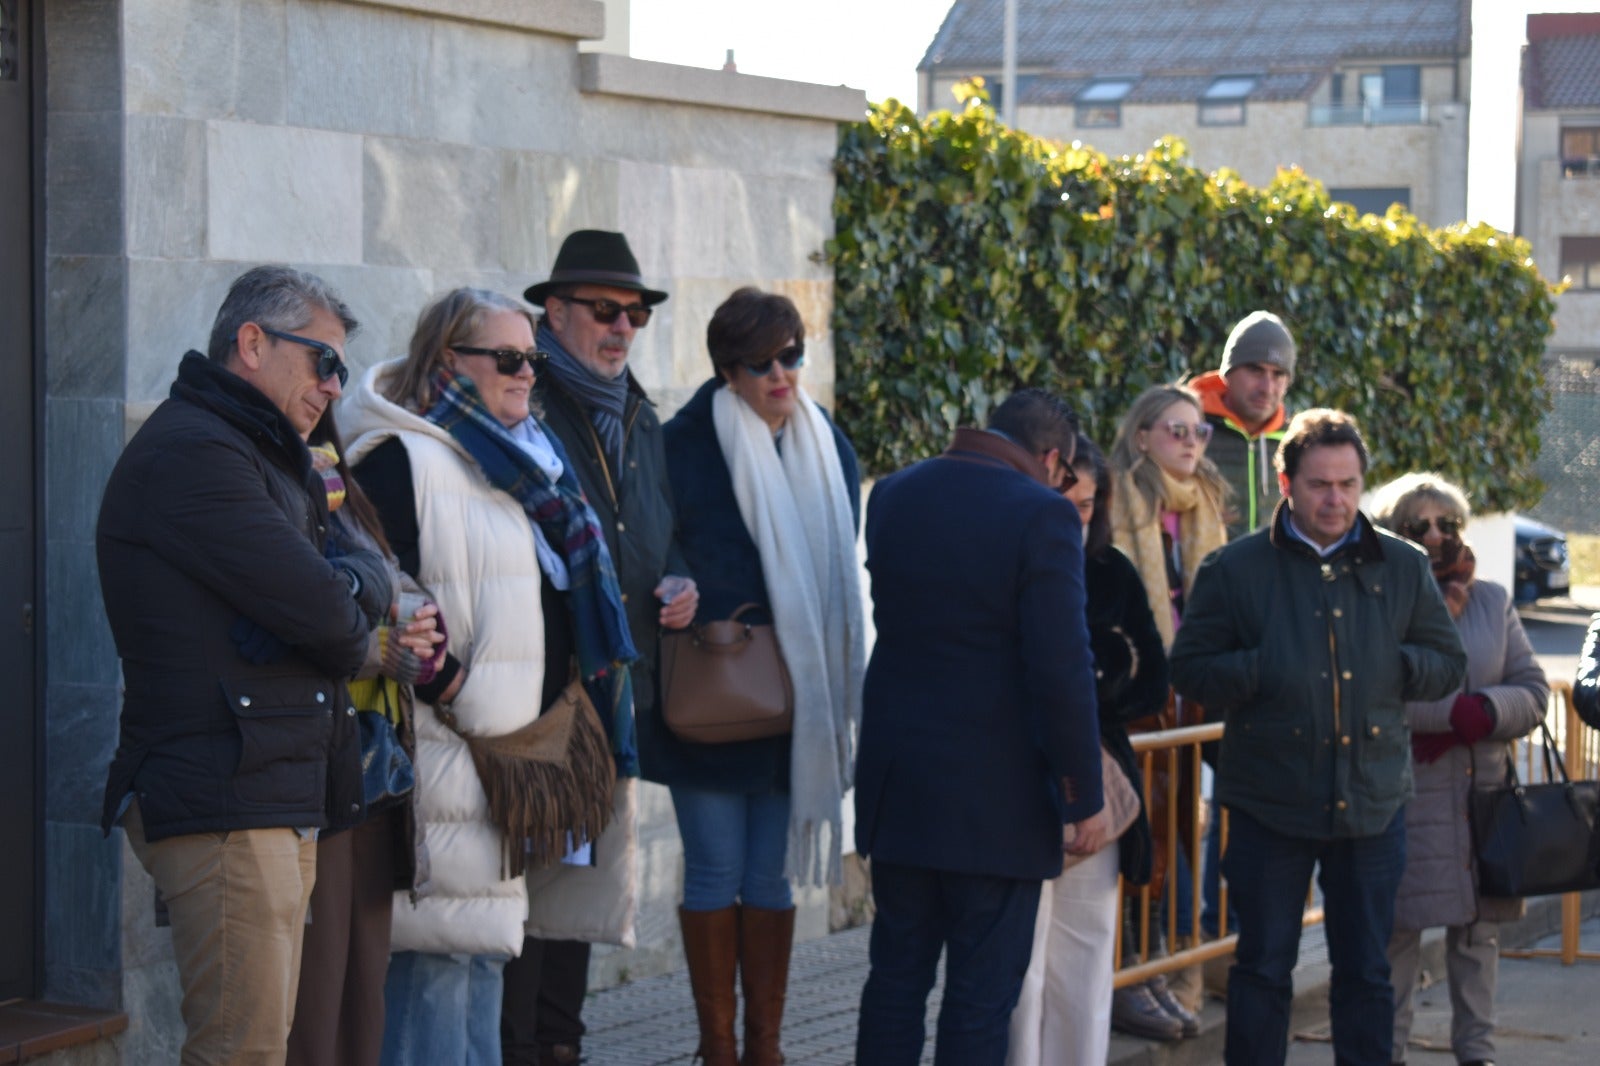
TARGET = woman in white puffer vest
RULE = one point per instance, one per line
(432, 436)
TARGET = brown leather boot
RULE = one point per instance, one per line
(765, 938)
(711, 946)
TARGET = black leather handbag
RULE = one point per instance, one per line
(1537, 839)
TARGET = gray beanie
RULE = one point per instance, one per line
(1260, 337)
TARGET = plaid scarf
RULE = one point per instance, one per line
(600, 629)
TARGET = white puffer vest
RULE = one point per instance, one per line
(477, 558)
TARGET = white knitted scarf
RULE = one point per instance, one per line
(797, 511)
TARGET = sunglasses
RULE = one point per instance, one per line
(606, 312)
(792, 358)
(1181, 430)
(1447, 526)
(507, 361)
(329, 362)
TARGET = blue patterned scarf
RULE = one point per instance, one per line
(600, 628)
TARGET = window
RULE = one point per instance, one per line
(1222, 104)
(1373, 201)
(1580, 261)
(1580, 151)
(1100, 104)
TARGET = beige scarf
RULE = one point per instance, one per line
(1136, 529)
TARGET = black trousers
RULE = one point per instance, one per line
(543, 1003)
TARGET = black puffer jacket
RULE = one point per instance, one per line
(1586, 689)
(213, 513)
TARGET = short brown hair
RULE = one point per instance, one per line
(1318, 428)
(749, 327)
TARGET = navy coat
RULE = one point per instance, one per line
(979, 733)
(727, 569)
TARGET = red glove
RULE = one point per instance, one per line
(1426, 747)
(1472, 717)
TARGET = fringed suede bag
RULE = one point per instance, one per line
(549, 783)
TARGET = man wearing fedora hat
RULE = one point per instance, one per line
(594, 303)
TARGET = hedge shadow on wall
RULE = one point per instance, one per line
(971, 259)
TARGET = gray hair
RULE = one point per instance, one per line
(1395, 504)
(274, 297)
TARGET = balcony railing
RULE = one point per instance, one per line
(1391, 113)
(1581, 167)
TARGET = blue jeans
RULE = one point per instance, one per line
(1269, 875)
(985, 924)
(733, 848)
(442, 1010)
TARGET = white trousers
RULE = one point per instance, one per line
(1063, 1017)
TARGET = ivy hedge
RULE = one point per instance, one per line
(971, 259)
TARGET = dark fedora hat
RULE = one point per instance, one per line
(595, 257)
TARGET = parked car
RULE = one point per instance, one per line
(1543, 568)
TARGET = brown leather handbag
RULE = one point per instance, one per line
(725, 681)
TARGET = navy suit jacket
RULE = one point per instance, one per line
(979, 734)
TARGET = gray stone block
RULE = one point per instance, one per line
(85, 314)
(145, 945)
(79, 648)
(83, 50)
(546, 197)
(501, 89)
(83, 987)
(83, 184)
(80, 737)
(432, 204)
(206, 58)
(166, 168)
(171, 305)
(152, 999)
(83, 438)
(82, 905)
(620, 128)
(282, 194)
(381, 86)
(385, 300)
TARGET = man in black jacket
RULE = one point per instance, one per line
(594, 303)
(236, 636)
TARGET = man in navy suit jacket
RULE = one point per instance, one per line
(980, 752)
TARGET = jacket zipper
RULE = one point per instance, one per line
(1333, 663)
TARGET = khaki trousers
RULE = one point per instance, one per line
(238, 906)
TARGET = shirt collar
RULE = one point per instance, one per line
(1352, 536)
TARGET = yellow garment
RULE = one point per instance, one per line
(1136, 530)
(379, 694)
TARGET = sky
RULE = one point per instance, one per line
(875, 45)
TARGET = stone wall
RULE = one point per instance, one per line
(1552, 206)
(398, 148)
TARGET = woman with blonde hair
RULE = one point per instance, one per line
(482, 507)
(1168, 512)
(1458, 743)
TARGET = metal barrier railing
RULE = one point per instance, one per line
(1169, 749)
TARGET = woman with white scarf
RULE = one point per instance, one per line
(1168, 512)
(768, 502)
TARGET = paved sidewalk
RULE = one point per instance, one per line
(1546, 1011)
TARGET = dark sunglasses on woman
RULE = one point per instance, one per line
(606, 311)
(1417, 528)
(792, 358)
(329, 362)
(507, 361)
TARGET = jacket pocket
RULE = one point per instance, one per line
(284, 728)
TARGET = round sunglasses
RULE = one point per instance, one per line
(1180, 431)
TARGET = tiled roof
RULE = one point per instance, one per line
(1562, 72)
(1174, 45)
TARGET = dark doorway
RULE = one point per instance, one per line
(19, 643)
